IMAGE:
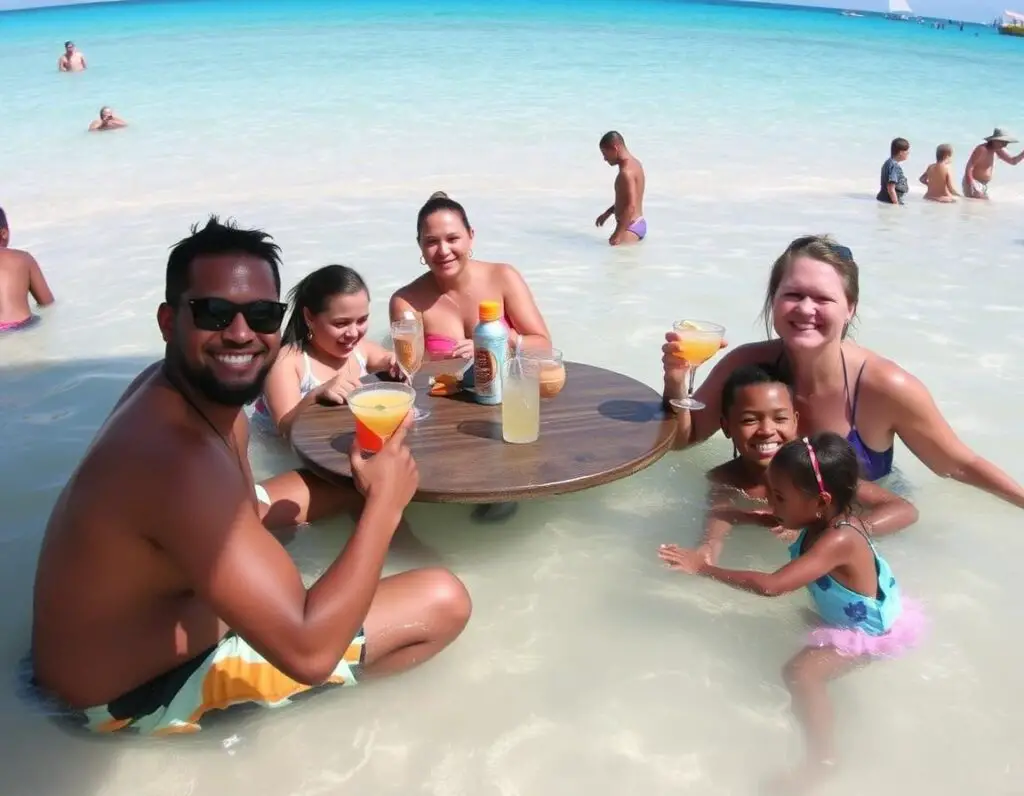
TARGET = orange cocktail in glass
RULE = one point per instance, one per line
(698, 342)
(379, 410)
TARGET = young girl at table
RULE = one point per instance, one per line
(812, 482)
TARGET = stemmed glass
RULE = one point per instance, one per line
(698, 342)
(407, 335)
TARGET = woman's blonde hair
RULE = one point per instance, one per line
(825, 250)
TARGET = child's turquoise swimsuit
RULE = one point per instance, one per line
(841, 607)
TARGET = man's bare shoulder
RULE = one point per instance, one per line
(15, 259)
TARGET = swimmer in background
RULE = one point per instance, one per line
(72, 60)
(107, 121)
(812, 484)
(759, 416)
(938, 178)
(20, 276)
(630, 226)
(978, 172)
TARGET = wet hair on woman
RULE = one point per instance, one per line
(438, 201)
(837, 463)
(313, 293)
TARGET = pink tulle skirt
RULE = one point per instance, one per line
(907, 632)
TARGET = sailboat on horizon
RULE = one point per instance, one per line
(899, 9)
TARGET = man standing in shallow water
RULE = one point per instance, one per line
(978, 172)
(630, 226)
(72, 60)
(20, 277)
(161, 593)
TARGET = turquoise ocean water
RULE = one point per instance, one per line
(585, 669)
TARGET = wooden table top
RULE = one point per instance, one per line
(601, 427)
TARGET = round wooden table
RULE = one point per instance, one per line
(601, 427)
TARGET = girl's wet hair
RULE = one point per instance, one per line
(438, 201)
(837, 463)
(815, 247)
(314, 292)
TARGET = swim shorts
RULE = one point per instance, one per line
(229, 673)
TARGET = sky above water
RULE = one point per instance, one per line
(976, 10)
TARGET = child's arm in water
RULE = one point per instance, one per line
(884, 512)
(831, 551)
(723, 514)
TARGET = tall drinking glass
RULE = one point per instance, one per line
(520, 398)
(407, 335)
(698, 342)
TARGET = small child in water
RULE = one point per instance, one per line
(759, 416)
(812, 484)
(938, 178)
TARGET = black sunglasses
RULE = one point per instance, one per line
(842, 252)
(217, 314)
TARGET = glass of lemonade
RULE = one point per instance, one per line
(379, 410)
(698, 342)
(520, 398)
(407, 335)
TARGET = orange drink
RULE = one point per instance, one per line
(379, 410)
(698, 342)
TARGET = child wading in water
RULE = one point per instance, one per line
(759, 416)
(812, 483)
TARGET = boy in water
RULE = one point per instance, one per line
(938, 178)
(893, 181)
(758, 415)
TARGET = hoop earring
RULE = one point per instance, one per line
(423, 260)
(470, 254)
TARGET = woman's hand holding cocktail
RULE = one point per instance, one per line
(676, 368)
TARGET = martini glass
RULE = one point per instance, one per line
(379, 410)
(698, 342)
(407, 335)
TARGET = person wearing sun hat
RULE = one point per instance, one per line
(978, 172)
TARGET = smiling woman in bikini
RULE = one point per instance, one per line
(840, 386)
(448, 296)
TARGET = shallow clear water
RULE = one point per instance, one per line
(586, 667)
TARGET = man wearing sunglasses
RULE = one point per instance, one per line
(161, 593)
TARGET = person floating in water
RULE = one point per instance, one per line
(107, 121)
(20, 277)
(759, 416)
(812, 485)
(978, 172)
(938, 178)
(630, 226)
(893, 181)
(72, 60)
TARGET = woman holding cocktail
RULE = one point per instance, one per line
(324, 350)
(840, 386)
(446, 299)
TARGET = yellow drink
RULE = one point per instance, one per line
(520, 411)
(697, 349)
(379, 409)
(409, 352)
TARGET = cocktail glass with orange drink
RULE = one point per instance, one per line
(407, 335)
(379, 410)
(552, 368)
(698, 342)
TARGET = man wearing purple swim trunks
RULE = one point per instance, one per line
(20, 275)
(630, 226)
